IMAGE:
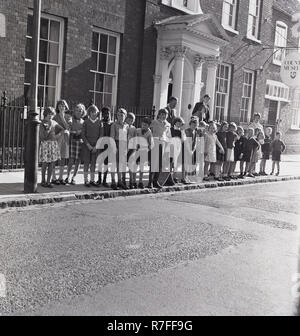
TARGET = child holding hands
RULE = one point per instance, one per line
(50, 131)
(90, 136)
(75, 142)
(277, 148)
(210, 151)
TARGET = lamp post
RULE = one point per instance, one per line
(33, 124)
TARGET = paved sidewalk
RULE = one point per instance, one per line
(12, 195)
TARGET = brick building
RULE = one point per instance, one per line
(139, 52)
(230, 49)
(79, 49)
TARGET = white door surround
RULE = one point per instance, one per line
(184, 44)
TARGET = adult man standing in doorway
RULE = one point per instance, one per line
(256, 122)
(201, 109)
(171, 108)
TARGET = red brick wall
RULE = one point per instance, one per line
(154, 11)
(131, 54)
(79, 17)
(251, 55)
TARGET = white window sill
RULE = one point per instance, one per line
(277, 63)
(230, 29)
(197, 10)
(252, 38)
(186, 10)
(295, 128)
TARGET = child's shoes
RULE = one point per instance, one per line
(122, 186)
(114, 186)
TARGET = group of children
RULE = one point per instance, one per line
(78, 137)
(226, 144)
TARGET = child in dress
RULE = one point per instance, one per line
(130, 119)
(190, 145)
(247, 149)
(50, 131)
(104, 132)
(75, 142)
(90, 136)
(221, 134)
(210, 151)
(266, 151)
(145, 159)
(255, 145)
(259, 155)
(177, 132)
(119, 133)
(277, 148)
(202, 128)
(161, 130)
(63, 141)
(231, 137)
(239, 150)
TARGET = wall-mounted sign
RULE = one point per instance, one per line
(2, 25)
(290, 70)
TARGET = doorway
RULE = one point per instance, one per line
(170, 86)
(273, 110)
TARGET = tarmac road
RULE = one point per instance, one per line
(229, 251)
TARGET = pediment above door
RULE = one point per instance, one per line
(201, 33)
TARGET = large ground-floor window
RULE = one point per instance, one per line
(247, 96)
(104, 69)
(222, 91)
(50, 59)
(295, 106)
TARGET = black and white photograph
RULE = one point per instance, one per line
(149, 161)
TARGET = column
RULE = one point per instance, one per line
(198, 66)
(156, 92)
(212, 66)
(165, 55)
(178, 75)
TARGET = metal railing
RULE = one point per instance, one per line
(12, 134)
(13, 117)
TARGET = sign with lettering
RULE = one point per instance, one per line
(290, 70)
(2, 25)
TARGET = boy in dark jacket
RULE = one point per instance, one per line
(277, 148)
(266, 151)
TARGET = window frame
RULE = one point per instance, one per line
(295, 108)
(277, 91)
(258, 6)
(277, 48)
(232, 28)
(61, 46)
(2, 25)
(227, 95)
(175, 4)
(250, 106)
(116, 75)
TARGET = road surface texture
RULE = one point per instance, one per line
(229, 251)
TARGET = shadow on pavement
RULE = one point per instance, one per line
(18, 189)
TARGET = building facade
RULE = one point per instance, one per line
(137, 53)
(80, 47)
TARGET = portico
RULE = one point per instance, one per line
(185, 43)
